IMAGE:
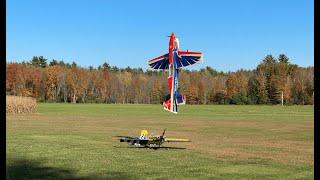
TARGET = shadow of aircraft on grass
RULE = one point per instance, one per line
(154, 148)
(29, 169)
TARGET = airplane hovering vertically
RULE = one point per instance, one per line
(174, 61)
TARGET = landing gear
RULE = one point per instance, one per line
(152, 145)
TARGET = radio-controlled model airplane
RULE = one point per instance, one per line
(174, 61)
(152, 141)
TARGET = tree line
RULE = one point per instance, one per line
(57, 81)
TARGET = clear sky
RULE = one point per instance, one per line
(232, 34)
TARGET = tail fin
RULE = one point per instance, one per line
(179, 100)
(167, 102)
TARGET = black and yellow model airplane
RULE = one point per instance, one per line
(149, 141)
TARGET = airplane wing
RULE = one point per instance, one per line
(176, 140)
(161, 62)
(188, 58)
(124, 137)
(134, 140)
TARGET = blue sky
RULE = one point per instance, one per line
(231, 34)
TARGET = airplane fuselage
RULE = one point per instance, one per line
(173, 71)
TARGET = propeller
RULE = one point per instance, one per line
(162, 137)
(163, 132)
(170, 36)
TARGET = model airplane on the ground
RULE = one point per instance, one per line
(149, 141)
(173, 61)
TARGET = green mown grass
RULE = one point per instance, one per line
(76, 141)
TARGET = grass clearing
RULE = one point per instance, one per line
(76, 141)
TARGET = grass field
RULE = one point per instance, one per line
(65, 141)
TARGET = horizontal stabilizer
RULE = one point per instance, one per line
(176, 140)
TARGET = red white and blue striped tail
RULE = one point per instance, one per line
(187, 58)
(161, 62)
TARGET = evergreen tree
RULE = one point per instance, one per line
(106, 66)
(53, 62)
(253, 90)
(38, 61)
(283, 59)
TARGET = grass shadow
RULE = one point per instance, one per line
(29, 169)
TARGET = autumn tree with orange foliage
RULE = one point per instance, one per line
(64, 82)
